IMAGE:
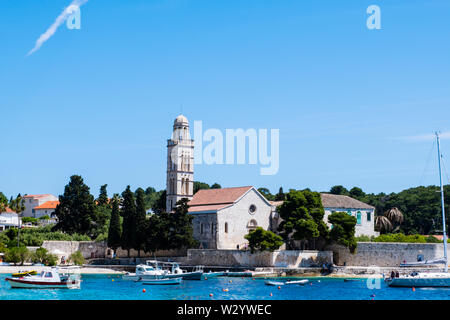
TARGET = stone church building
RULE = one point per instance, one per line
(222, 217)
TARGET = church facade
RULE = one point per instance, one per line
(222, 217)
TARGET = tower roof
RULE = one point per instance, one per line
(181, 120)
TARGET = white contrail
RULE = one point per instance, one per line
(59, 20)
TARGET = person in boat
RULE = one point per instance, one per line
(397, 275)
(392, 274)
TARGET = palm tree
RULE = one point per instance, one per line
(394, 215)
(17, 205)
(383, 224)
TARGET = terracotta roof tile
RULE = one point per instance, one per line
(216, 199)
(48, 205)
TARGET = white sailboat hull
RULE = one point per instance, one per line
(421, 280)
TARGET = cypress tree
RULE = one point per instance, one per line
(140, 220)
(114, 231)
(103, 196)
(128, 212)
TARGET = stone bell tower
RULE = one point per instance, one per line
(180, 164)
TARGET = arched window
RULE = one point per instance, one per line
(252, 225)
(226, 227)
(358, 217)
(186, 186)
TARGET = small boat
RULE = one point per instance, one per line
(351, 280)
(145, 272)
(177, 272)
(50, 278)
(212, 274)
(163, 281)
(281, 283)
(24, 273)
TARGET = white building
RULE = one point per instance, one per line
(33, 201)
(45, 209)
(364, 213)
(8, 219)
(180, 164)
(222, 217)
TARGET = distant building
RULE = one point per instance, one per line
(45, 209)
(364, 213)
(33, 201)
(9, 219)
(222, 217)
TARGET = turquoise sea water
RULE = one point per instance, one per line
(101, 287)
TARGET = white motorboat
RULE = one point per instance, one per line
(145, 272)
(281, 283)
(50, 278)
(427, 279)
(196, 274)
(163, 281)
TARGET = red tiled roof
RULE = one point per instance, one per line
(8, 210)
(47, 205)
(216, 199)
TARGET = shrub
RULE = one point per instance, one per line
(77, 258)
(431, 239)
(17, 254)
(41, 255)
(261, 240)
(363, 238)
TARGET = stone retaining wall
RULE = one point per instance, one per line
(385, 254)
(237, 258)
(93, 249)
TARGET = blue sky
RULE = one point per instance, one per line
(350, 103)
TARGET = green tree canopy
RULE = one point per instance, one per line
(114, 230)
(343, 230)
(129, 224)
(77, 211)
(103, 197)
(261, 240)
(140, 221)
(340, 190)
(301, 215)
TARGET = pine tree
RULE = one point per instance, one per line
(114, 231)
(140, 220)
(128, 212)
(76, 212)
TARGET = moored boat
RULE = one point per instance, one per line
(282, 283)
(427, 279)
(176, 272)
(145, 272)
(50, 278)
(163, 281)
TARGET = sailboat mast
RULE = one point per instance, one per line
(442, 204)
